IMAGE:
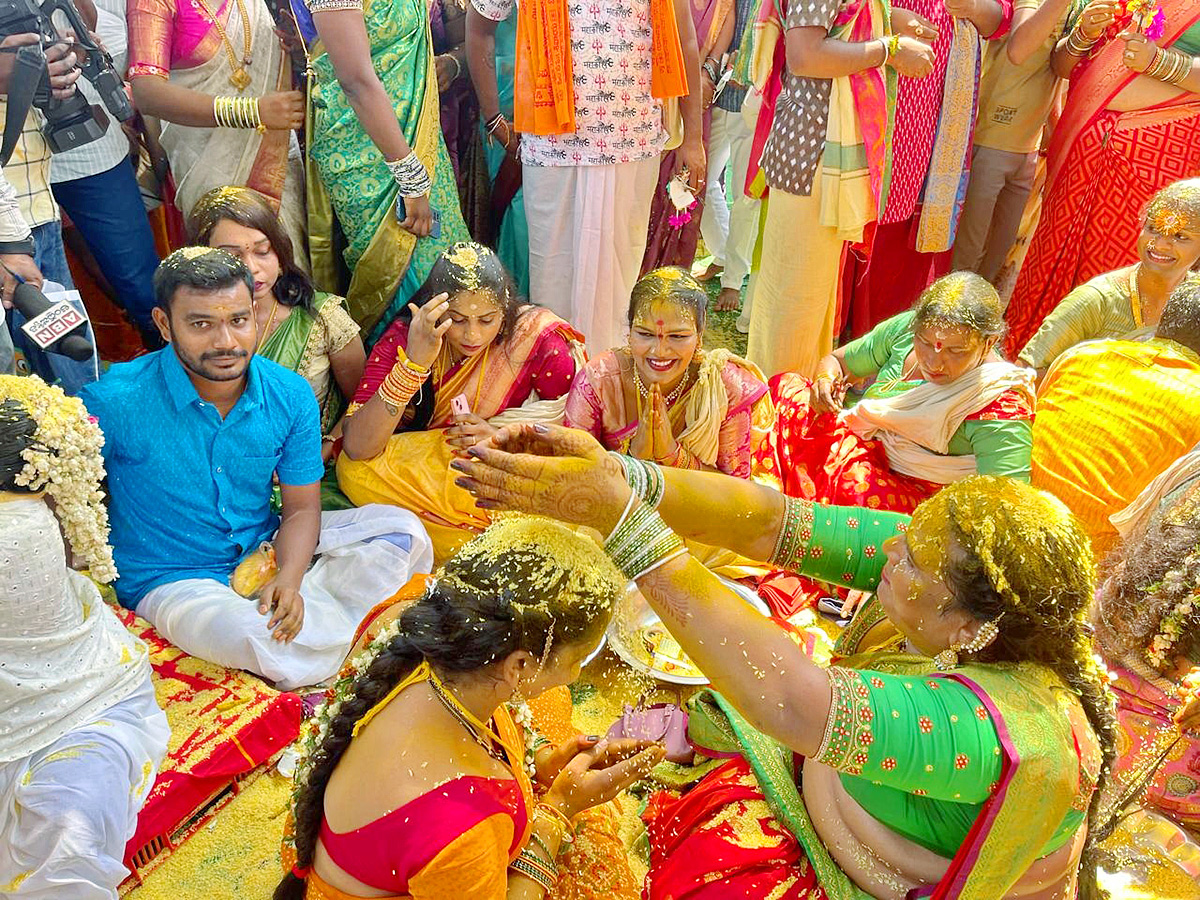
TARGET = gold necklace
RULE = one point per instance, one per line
(455, 708)
(670, 398)
(893, 383)
(240, 78)
(267, 328)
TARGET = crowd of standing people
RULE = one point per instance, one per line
(361, 275)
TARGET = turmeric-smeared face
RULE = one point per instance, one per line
(1169, 244)
(254, 249)
(663, 340)
(946, 351)
(911, 590)
(477, 319)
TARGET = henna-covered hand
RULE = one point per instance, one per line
(546, 470)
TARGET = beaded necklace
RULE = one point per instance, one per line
(670, 398)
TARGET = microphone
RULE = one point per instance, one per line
(71, 342)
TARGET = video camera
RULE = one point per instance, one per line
(72, 122)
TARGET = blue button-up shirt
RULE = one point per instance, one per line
(190, 492)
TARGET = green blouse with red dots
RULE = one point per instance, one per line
(919, 752)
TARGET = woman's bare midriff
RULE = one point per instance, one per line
(1143, 93)
(887, 865)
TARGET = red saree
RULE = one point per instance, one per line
(1103, 167)
(818, 457)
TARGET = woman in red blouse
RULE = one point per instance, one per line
(465, 356)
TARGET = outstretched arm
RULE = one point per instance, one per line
(723, 511)
(567, 475)
(748, 658)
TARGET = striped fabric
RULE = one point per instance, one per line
(1112, 415)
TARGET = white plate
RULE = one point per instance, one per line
(634, 610)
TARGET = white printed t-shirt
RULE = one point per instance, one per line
(616, 119)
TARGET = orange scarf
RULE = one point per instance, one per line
(545, 92)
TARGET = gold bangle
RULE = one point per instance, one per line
(1182, 68)
(403, 358)
(559, 817)
(1078, 44)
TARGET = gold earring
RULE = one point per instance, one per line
(948, 658)
(987, 633)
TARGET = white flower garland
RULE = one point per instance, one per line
(1175, 621)
(1170, 628)
(523, 716)
(64, 460)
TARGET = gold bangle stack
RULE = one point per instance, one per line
(1078, 44)
(238, 112)
(402, 382)
(1170, 66)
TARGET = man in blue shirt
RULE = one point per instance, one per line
(194, 436)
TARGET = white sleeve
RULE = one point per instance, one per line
(12, 224)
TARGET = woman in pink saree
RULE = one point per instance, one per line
(663, 398)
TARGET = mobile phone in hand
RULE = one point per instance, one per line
(460, 406)
(435, 228)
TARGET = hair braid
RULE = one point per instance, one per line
(522, 584)
(393, 663)
(1016, 552)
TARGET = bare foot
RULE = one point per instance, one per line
(728, 300)
(713, 270)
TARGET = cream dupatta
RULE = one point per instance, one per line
(915, 427)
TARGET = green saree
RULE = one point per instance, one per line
(387, 262)
(966, 764)
(1106, 307)
(303, 342)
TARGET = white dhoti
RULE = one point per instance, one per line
(363, 557)
(67, 811)
(587, 236)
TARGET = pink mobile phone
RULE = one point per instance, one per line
(460, 406)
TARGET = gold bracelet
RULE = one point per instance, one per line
(560, 818)
(1078, 44)
(1181, 68)
(238, 112)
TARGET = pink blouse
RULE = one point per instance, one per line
(165, 35)
(596, 404)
